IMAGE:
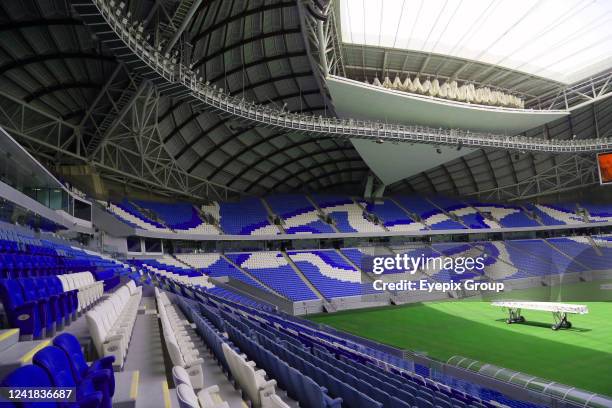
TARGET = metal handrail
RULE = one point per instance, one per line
(178, 74)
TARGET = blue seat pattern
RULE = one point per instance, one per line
(243, 217)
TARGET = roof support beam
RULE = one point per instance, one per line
(136, 155)
(175, 37)
(570, 172)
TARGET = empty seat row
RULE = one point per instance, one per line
(37, 306)
(187, 397)
(63, 365)
(184, 345)
(111, 322)
(253, 382)
(259, 390)
(89, 290)
(347, 370)
(298, 386)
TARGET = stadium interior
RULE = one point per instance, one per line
(198, 200)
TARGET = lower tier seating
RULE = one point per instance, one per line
(111, 322)
(254, 383)
(184, 345)
(38, 306)
(187, 397)
(88, 289)
(309, 363)
(63, 365)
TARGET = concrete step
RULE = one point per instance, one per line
(8, 338)
(303, 277)
(20, 354)
(126, 389)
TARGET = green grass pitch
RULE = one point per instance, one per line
(580, 356)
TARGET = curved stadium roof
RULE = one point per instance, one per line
(562, 40)
(51, 62)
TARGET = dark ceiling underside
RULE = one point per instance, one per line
(255, 48)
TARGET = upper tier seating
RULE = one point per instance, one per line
(182, 217)
(271, 268)
(332, 213)
(393, 217)
(429, 213)
(246, 217)
(329, 273)
(347, 215)
(467, 214)
(298, 214)
(509, 216)
(598, 212)
(129, 214)
(549, 215)
(111, 322)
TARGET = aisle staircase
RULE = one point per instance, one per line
(327, 305)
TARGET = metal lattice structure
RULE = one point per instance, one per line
(134, 155)
(181, 80)
(273, 127)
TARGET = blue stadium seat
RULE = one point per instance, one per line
(48, 308)
(61, 301)
(28, 376)
(70, 298)
(22, 313)
(89, 391)
(80, 370)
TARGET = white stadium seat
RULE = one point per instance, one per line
(89, 290)
(111, 322)
(206, 398)
(183, 343)
(253, 382)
